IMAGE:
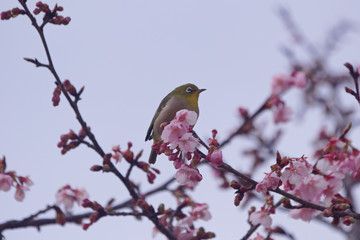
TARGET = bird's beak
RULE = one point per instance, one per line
(201, 90)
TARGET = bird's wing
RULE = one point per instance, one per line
(149, 132)
(158, 110)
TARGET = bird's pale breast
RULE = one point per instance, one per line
(168, 113)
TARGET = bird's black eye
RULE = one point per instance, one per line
(189, 90)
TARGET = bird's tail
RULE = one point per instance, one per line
(152, 157)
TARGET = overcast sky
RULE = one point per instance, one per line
(129, 55)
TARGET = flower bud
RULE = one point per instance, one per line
(96, 168)
(238, 198)
(6, 15)
(348, 220)
(161, 209)
(85, 226)
(151, 176)
(66, 21)
(234, 184)
(327, 212)
(214, 132)
(87, 203)
(36, 11)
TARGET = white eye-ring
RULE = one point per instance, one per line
(189, 90)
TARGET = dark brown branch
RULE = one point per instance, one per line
(247, 124)
(304, 203)
(31, 222)
(252, 229)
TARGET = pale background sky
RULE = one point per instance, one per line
(129, 55)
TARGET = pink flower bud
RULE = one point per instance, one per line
(116, 148)
(243, 112)
(36, 11)
(85, 226)
(39, 4)
(96, 168)
(234, 184)
(144, 166)
(151, 177)
(6, 15)
(15, 12)
(128, 155)
(214, 132)
(82, 133)
(73, 144)
(71, 135)
(66, 21)
(55, 100)
(215, 158)
(348, 220)
(64, 138)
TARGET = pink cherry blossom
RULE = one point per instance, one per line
(261, 217)
(335, 184)
(177, 132)
(296, 171)
(258, 237)
(189, 234)
(281, 113)
(186, 117)
(5, 182)
(68, 196)
(173, 132)
(20, 192)
(187, 143)
(300, 79)
(305, 214)
(311, 188)
(201, 211)
(187, 175)
(270, 181)
(26, 180)
(280, 83)
(183, 233)
(215, 158)
(187, 221)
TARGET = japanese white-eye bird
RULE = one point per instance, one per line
(183, 97)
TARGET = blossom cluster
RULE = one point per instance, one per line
(67, 196)
(262, 216)
(51, 15)
(68, 88)
(185, 225)
(318, 184)
(215, 155)
(178, 143)
(6, 15)
(86, 203)
(11, 179)
(129, 156)
(71, 140)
